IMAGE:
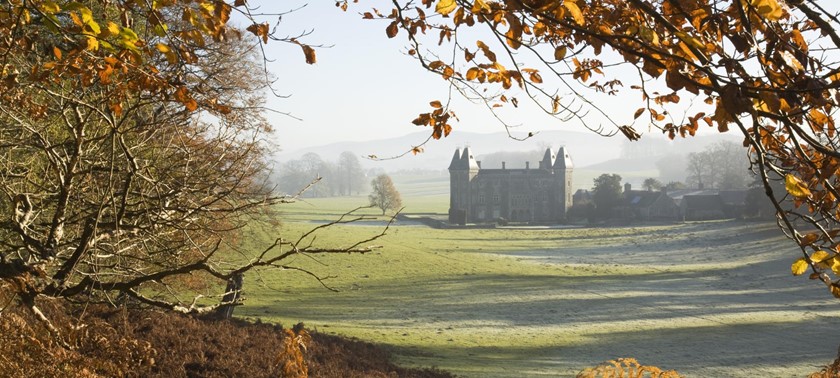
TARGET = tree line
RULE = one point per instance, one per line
(322, 178)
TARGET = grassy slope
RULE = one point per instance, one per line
(541, 301)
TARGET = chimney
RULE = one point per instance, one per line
(627, 187)
(503, 165)
(527, 165)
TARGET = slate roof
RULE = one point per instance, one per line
(703, 202)
(641, 198)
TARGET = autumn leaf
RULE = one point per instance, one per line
(835, 290)
(560, 53)
(819, 256)
(116, 109)
(436, 104)
(472, 73)
(50, 7)
(796, 187)
(309, 53)
(638, 113)
(799, 267)
(445, 7)
(448, 72)
(260, 30)
(577, 15)
(392, 30)
(479, 5)
(768, 9)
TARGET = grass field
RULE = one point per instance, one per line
(710, 299)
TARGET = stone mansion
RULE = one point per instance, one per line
(536, 195)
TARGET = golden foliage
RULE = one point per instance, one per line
(626, 368)
(296, 343)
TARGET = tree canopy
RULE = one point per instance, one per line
(606, 194)
(384, 194)
(766, 69)
(132, 150)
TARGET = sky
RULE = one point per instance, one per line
(363, 86)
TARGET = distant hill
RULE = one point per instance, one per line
(589, 151)
(623, 165)
(585, 148)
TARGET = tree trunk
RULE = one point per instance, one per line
(233, 292)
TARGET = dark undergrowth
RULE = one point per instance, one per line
(107, 342)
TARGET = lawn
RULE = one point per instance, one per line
(706, 298)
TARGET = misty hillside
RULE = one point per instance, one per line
(588, 150)
(437, 154)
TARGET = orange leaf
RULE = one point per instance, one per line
(638, 113)
(392, 29)
(309, 53)
(472, 73)
(260, 30)
(448, 72)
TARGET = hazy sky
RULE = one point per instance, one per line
(363, 86)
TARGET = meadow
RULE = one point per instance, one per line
(706, 298)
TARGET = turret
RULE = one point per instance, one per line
(468, 161)
(462, 169)
(547, 161)
(456, 159)
(564, 161)
(563, 168)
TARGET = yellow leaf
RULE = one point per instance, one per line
(113, 29)
(769, 9)
(163, 48)
(835, 291)
(445, 7)
(819, 256)
(479, 5)
(50, 7)
(796, 187)
(56, 52)
(577, 15)
(799, 267)
(92, 44)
